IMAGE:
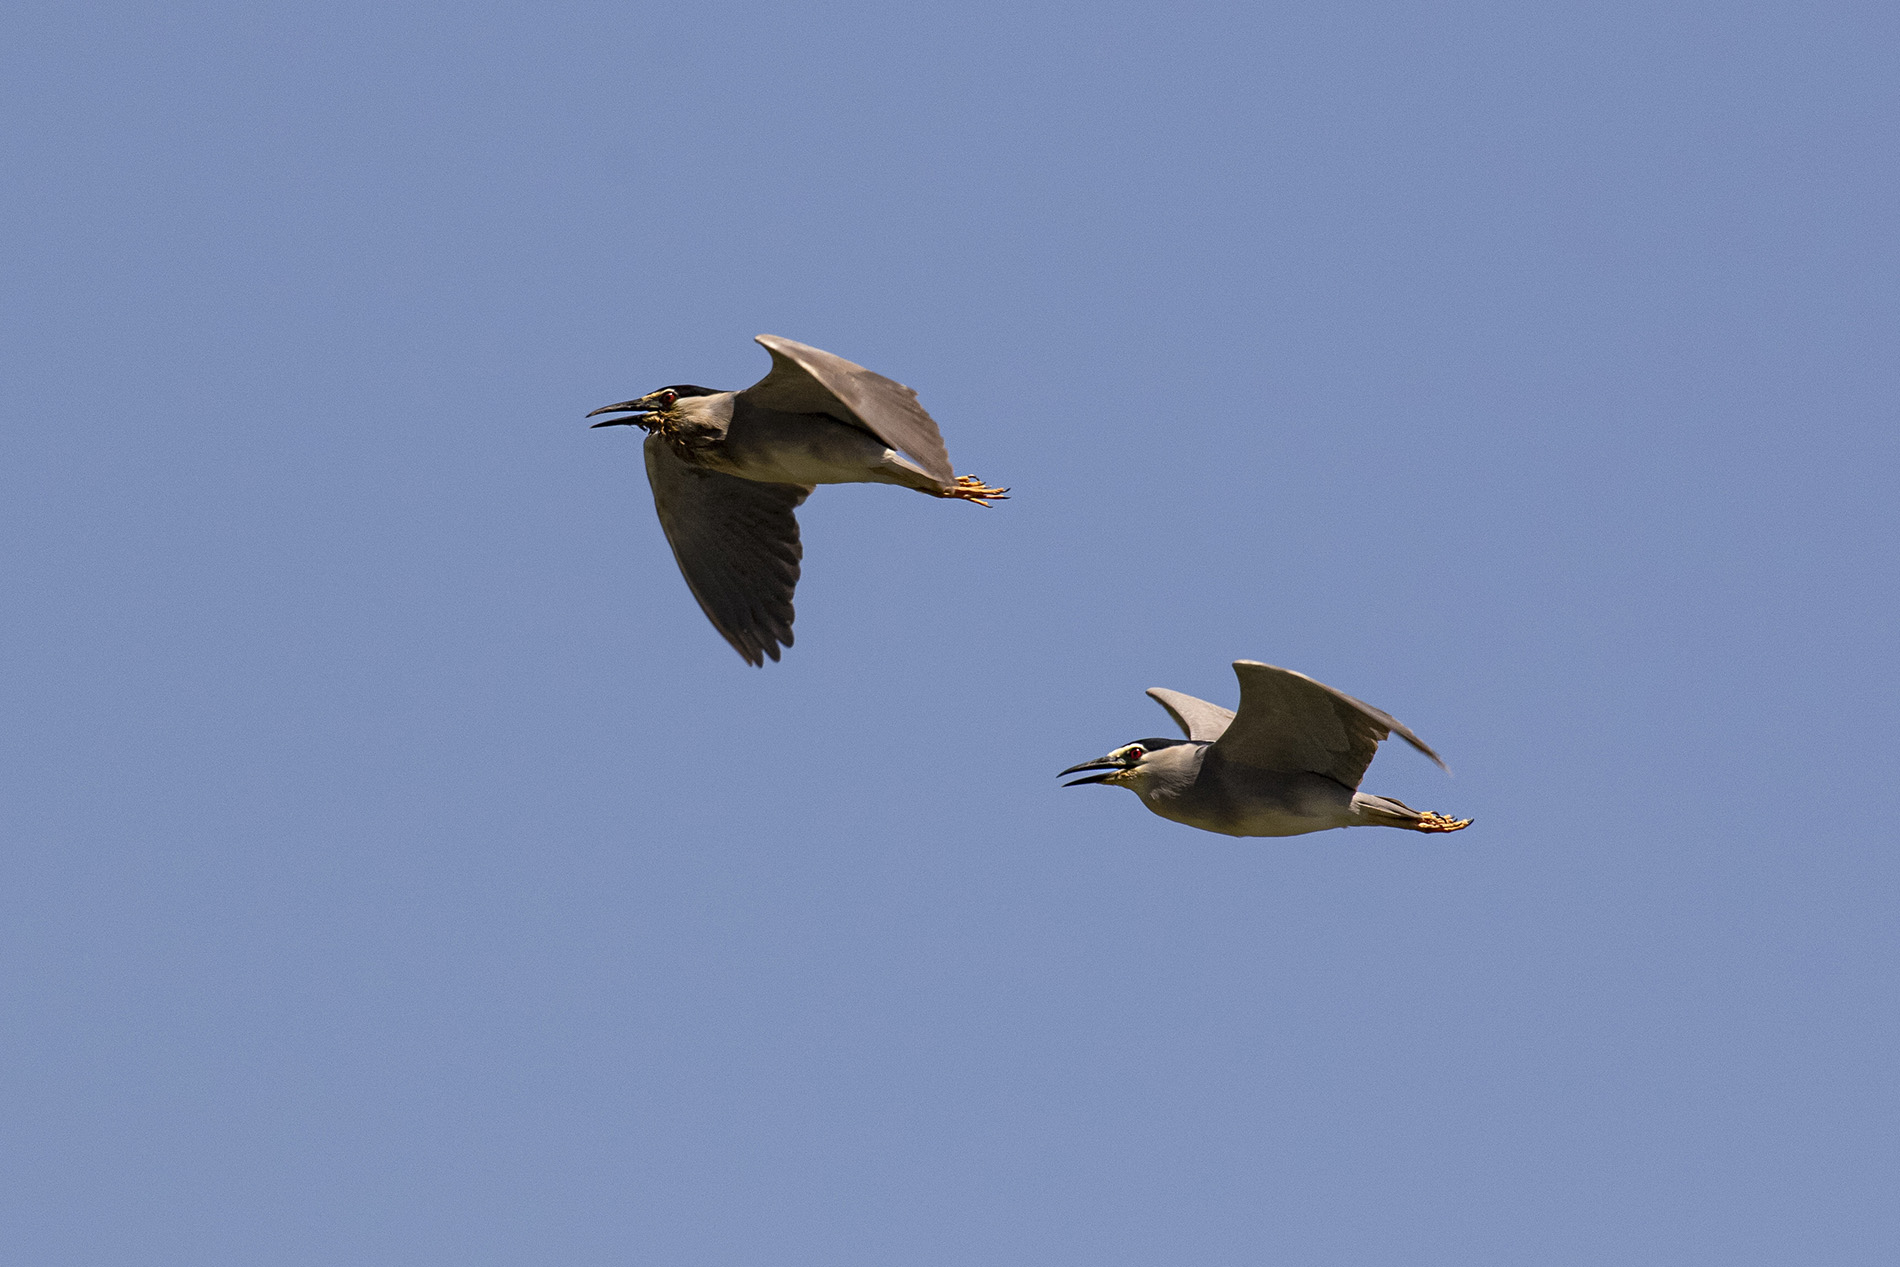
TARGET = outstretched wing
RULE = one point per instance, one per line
(805, 380)
(1197, 718)
(736, 542)
(1287, 721)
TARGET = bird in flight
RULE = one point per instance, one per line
(1287, 763)
(729, 468)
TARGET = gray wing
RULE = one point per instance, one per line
(805, 380)
(1287, 721)
(736, 542)
(1197, 718)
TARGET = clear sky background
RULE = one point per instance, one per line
(398, 869)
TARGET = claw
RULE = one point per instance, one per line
(1431, 821)
(970, 488)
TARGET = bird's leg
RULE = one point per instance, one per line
(1428, 820)
(971, 489)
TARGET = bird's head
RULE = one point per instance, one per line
(651, 409)
(1133, 765)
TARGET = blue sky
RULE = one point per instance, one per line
(397, 868)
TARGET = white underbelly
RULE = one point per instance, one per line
(818, 452)
(797, 467)
(1256, 821)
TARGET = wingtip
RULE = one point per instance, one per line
(1426, 749)
(756, 656)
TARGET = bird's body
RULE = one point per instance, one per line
(1289, 762)
(726, 433)
(1197, 786)
(728, 469)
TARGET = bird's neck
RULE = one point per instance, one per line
(696, 421)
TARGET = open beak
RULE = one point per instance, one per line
(1100, 763)
(637, 407)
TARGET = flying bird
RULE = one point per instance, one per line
(1287, 763)
(729, 468)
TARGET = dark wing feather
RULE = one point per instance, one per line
(1287, 721)
(806, 380)
(736, 542)
(1197, 718)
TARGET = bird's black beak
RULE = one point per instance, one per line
(639, 408)
(1109, 764)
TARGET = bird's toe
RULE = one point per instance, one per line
(970, 488)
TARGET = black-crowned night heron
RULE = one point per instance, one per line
(729, 468)
(1289, 762)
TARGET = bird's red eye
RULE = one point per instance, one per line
(669, 397)
(1135, 754)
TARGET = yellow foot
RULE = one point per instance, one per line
(972, 489)
(1428, 821)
